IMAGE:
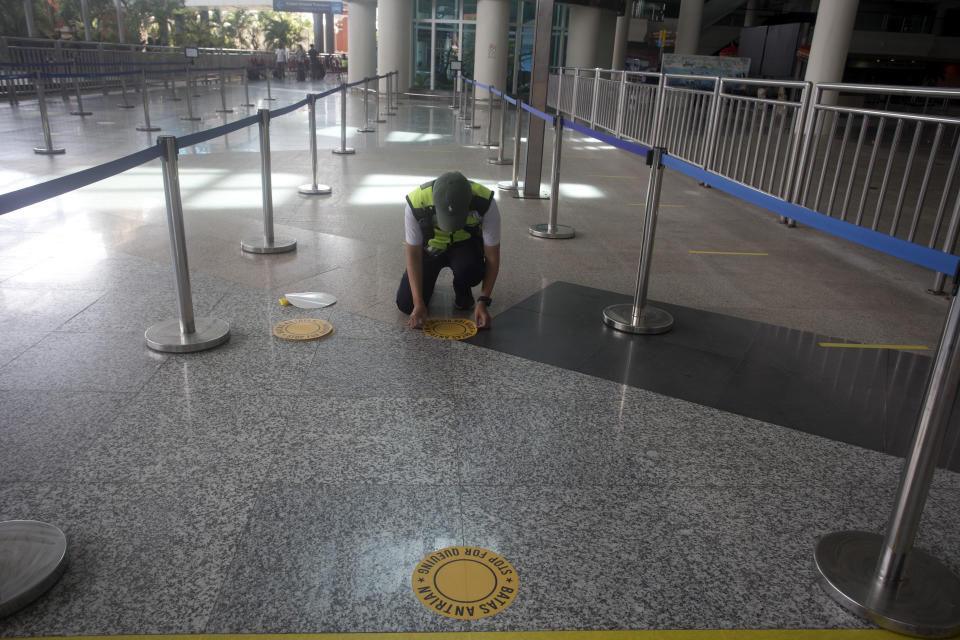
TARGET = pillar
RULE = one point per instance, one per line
(120, 23)
(831, 41)
(492, 44)
(620, 40)
(28, 13)
(585, 23)
(605, 42)
(85, 15)
(750, 16)
(361, 40)
(318, 31)
(395, 35)
(329, 38)
(688, 26)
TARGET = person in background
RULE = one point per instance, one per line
(317, 72)
(300, 58)
(283, 55)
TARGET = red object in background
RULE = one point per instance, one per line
(728, 51)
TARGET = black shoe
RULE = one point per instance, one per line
(464, 301)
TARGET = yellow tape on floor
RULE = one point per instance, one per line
(711, 634)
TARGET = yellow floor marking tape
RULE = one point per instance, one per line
(731, 253)
(301, 329)
(853, 345)
(465, 583)
(673, 634)
(643, 204)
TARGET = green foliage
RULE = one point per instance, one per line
(163, 22)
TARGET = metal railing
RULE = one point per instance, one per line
(880, 157)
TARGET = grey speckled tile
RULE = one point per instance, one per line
(166, 437)
(43, 432)
(83, 362)
(143, 558)
(378, 440)
(319, 558)
(15, 342)
(42, 310)
(254, 313)
(245, 364)
(665, 557)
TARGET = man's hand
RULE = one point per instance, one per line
(481, 317)
(418, 317)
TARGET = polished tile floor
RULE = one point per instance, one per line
(267, 486)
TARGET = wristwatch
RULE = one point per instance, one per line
(485, 299)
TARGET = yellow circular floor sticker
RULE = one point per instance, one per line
(450, 328)
(466, 583)
(302, 329)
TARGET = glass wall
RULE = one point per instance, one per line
(445, 30)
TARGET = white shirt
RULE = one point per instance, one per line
(491, 226)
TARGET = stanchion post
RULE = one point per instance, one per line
(489, 142)
(269, 93)
(246, 90)
(514, 184)
(313, 189)
(396, 89)
(123, 90)
(189, 94)
(266, 243)
(552, 230)
(390, 82)
(185, 334)
(12, 92)
(49, 149)
(146, 104)
(173, 86)
(76, 87)
(640, 317)
(366, 128)
(223, 94)
(500, 160)
(884, 578)
(376, 104)
(344, 150)
(456, 87)
(472, 123)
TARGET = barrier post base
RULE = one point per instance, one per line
(192, 119)
(367, 129)
(652, 319)
(497, 161)
(509, 185)
(261, 245)
(346, 151)
(926, 602)
(81, 113)
(224, 110)
(556, 232)
(247, 104)
(33, 556)
(166, 336)
(126, 106)
(315, 189)
(544, 194)
(44, 151)
(146, 128)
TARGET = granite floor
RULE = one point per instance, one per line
(267, 486)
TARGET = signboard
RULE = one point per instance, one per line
(191, 52)
(610, 5)
(455, 65)
(308, 6)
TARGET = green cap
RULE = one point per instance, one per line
(451, 197)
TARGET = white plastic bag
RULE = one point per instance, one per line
(308, 300)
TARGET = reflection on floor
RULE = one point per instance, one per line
(867, 397)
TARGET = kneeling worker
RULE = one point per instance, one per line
(450, 222)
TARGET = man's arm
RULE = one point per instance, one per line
(491, 269)
(415, 275)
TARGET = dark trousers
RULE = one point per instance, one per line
(464, 258)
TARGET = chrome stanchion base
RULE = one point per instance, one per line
(379, 120)
(126, 106)
(194, 118)
(557, 232)
(33, 556)
(146, 128)
(268, 98)
(497, 161)
(55, 151)
(925, 603)
(224, 110)
(261, 245)
(346, 151)
(315, 189)
(543, 195)
(469, 126)
(367, 130)
(652, 319)
(165, 336)
(81, 113)
(247, 104)
(509, 185)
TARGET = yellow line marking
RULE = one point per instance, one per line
(731, 253)
(853, 345)
(643, 204)
(652, 634)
